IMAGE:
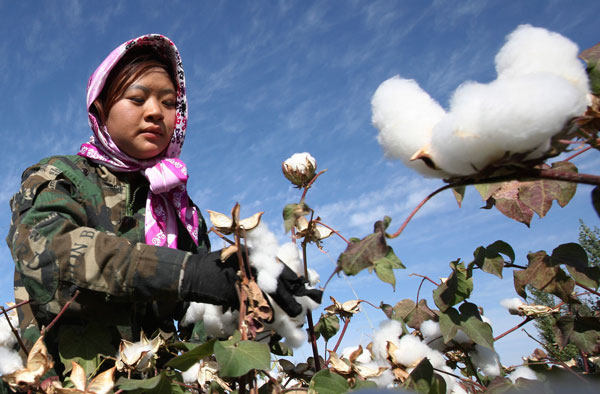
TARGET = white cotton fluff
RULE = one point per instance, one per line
(7, 337)
(509, 115)
(388, 331)
(458, 389)
(541, 84)
(411, 350)
(191, 374)
(10, 361)
(264, 251)
(386, 378)
(531, 49)
(511, 304)
(363, 358)
(218, 323)
(405, 115)
(432, 334)
(264, 246)
(522, 372)
(290, 328)
(486, 360)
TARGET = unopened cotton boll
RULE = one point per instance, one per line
(405, 115)
(531, 49)
(506, 116)
(522, 372)
(10, 361)
(486, 359)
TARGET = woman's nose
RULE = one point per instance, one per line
(153, 109)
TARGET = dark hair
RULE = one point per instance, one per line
(136, 62)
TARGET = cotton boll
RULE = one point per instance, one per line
(386, 378)
(461, 337)
(288, 253)
(363, 358)
(511, 304)
(511, 115)
(7, 337)
(10, 361)
(486, 320)
(191, 374)
(458, 389)
(405, 115)
(389, 331)
(193, 314)
(217, 323)
(522, 372)
(487, 360)
(449, 379)
(411, 350)
(531, 49)
(313, 277)
(432, 334)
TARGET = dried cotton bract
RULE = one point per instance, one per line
(300, 168)
(541, 85)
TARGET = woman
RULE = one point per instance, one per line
(114, 222)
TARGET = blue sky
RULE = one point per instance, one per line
(267, 79)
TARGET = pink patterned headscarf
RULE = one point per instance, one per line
(167, 198)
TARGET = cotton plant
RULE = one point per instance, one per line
(540, 86)
(10, 360)
(266, 256)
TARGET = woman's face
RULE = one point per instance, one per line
(142, 120)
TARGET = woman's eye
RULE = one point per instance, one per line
(170, 103)
(137, 100)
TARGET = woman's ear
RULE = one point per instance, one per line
(98, 110)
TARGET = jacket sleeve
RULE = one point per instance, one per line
(54, 248)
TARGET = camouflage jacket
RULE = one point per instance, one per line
(77, 226)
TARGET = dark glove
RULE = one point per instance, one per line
(289, 285)
(206, 279)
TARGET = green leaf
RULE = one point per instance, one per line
(327, 326)
(570, 254)
(592, 58)
(542, 274)
(236, 357)
(475, 328)
(186, 360)
(291, 212)
(280, 349)
(581, 331)
(84, 345)
(328, 382)
(487, 189)
(364, 384)
(424, 380)
(449, 324)
(459, 194)
(456, 288)
(489, 258)
(158, 385)
(411, 314)
(372, 252)
(469, 321)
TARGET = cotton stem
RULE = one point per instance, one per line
(62, 311)
(14, 331)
